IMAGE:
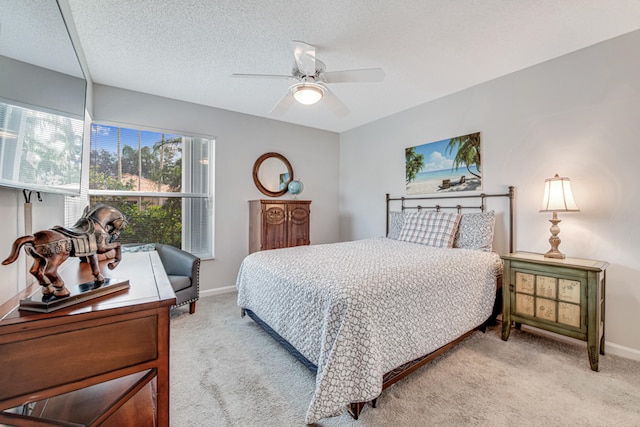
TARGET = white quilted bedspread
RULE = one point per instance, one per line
(359, 309)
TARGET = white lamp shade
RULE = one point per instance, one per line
(558, 196)
(307, 93)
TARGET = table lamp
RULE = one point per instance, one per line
(557, 198)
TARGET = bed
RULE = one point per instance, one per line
(364, 314)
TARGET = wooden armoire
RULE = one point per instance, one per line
(277, 224)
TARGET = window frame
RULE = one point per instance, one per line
(209, 197)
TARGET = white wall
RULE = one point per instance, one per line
(28, 85)
(240, 140)
(578, 116)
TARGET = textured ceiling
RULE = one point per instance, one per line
(33, 31)
(188, 49)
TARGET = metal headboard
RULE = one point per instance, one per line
(414, 203)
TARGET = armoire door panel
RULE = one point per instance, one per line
(275, 227)
(278, 224)
(275, 215)
(298, 225)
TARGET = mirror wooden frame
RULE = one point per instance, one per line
(256, 169)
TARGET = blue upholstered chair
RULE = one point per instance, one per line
(182, 268)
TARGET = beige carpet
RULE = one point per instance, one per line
(225, 371)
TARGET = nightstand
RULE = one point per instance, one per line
(565, 296)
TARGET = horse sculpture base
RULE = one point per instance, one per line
(46, 303)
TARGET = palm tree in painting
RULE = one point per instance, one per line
(468, 152)
(414, 162)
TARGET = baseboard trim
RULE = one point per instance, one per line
(609, 347)
(622, 351)
(217, 291)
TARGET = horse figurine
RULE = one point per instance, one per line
(94, 233)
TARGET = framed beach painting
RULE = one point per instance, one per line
(449, 165)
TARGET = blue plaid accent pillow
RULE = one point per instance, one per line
(430, 228)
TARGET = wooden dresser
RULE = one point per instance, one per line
(101, 362)
(277, 224)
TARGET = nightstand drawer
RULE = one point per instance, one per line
(555, 299)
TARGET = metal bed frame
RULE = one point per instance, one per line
(402, 371)
(409, 203)
(459, 207)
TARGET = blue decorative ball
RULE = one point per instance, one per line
(295, 187)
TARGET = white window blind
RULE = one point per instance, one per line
(40, 151)
(161, 181)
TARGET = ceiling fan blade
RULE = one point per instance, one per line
(353, 76)
(283, 105)
(334, 104)
(261, 76)
(305, 56)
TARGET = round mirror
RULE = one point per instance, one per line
(272, 173)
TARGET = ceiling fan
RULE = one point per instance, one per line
(312, 80)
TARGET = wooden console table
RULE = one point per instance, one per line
(75, 359)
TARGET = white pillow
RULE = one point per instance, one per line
(430, 228)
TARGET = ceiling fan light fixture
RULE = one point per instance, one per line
(307, 93)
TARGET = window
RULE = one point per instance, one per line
(39, 150)
(161, 182)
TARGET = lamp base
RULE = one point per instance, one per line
(554, 240)
(554, 254)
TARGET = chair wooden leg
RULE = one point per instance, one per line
(192, 307)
